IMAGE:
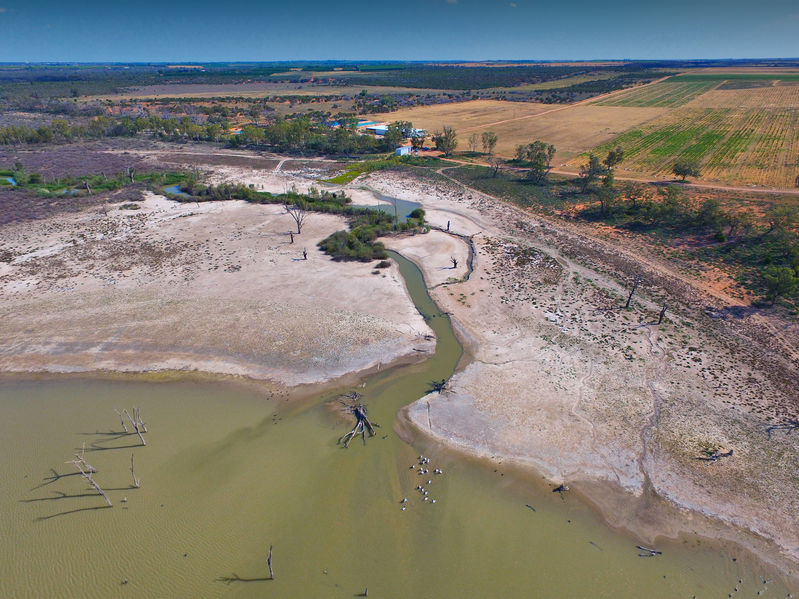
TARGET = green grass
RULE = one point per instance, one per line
(513, 187)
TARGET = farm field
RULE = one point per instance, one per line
(741, 131)
(556, 83)
(572, 128)
(668, 93)
(252, 90)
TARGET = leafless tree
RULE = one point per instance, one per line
(298, 213)
(636, 283)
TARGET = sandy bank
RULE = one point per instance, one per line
(216, 287)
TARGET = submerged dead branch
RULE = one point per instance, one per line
(78, 463)
(352, 403)
(136, 481)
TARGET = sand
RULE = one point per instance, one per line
(215, 287)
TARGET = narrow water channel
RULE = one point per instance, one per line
(226, 473)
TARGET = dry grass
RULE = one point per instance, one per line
(572, 129)
(767, 97)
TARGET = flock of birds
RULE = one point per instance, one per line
(422, 470)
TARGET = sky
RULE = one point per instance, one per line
(203, 31)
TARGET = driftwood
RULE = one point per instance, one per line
(647, 552)
(136, 481)
(438, 386)
(787, 426)
(269, 564)
(714, 456)
(362, 422)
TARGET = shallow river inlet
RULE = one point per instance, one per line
(226, 473)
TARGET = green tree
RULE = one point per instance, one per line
(417, 142)
(489, 140)
(446, 141)
(781, 281)
(393, 136)
(540, 155)
(686, 168)
(613, 158)
(590, 172)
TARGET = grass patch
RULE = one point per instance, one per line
(554, 193)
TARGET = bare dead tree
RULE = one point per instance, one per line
(662, 313)
(131, 173)
(291, 236)
(454, 262)
(352, 403)
(304, 254)
(136, 481)
(80, 457)
(788, 426)
(140, 421)
(714, 455)
(636, 283)
(269, 564)
(298, 213)
(121, 419)
(87, 474)
(136, 424)
(88, 188)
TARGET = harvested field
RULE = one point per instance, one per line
(572, 129)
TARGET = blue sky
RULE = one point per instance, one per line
(198, 30)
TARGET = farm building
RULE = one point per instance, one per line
(403, 151)
(377, 129)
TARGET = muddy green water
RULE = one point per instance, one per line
(228, 472)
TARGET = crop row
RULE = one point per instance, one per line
(664, 94)
(743, 146)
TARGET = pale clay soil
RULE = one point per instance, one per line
(559, 378)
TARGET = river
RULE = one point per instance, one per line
(227, 472)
